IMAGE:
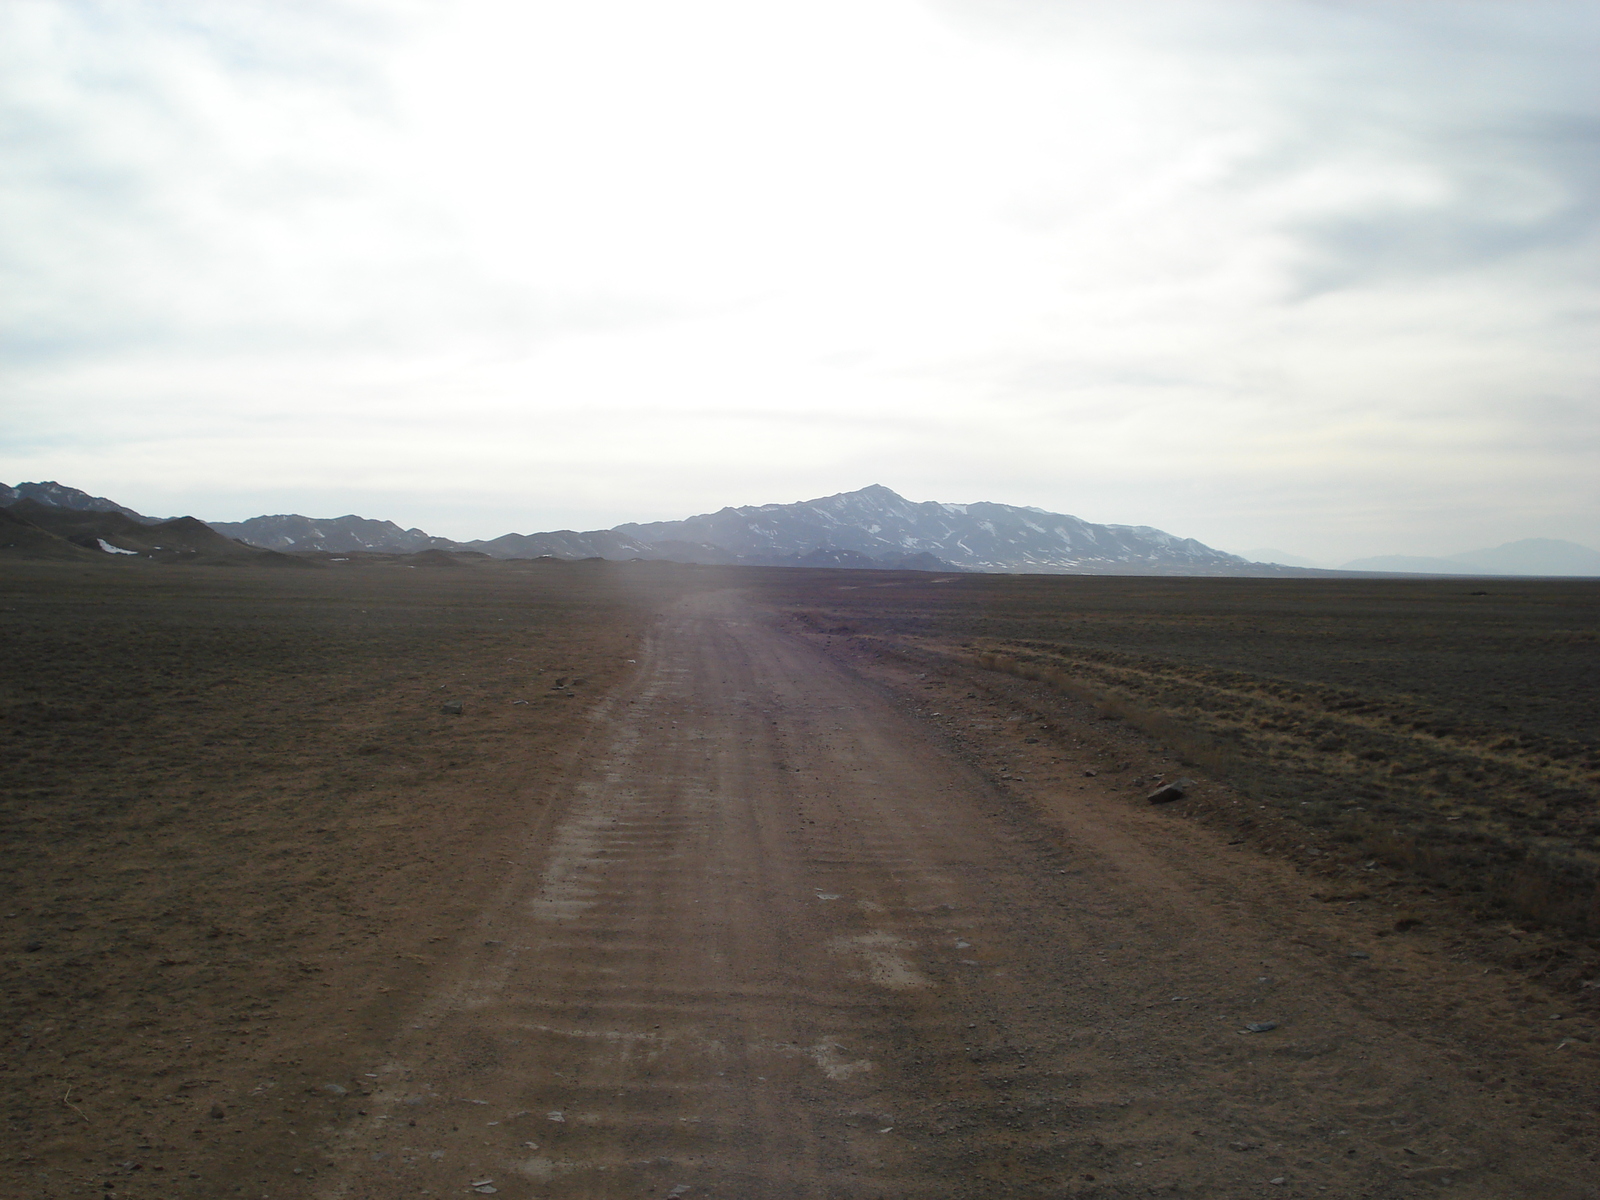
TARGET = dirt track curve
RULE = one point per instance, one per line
(779, 941)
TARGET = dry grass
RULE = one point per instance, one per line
(1444, 728)
(1475, 810)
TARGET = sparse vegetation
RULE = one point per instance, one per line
(222, 793)
(1448, 733)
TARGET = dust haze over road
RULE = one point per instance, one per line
(781, 940)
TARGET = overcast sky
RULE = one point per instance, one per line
(1313, 274)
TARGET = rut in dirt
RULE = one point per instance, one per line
(783, 943)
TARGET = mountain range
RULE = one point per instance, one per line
(338, 535)
(51, 494)
(41, 529)
(873, 527)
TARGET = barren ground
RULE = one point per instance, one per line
(755, 914)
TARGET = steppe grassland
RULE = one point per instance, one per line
(238, 828)
(236, 825)
(1448, 727)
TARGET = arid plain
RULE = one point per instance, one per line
(781, 883)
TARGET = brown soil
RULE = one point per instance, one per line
(767, 912)
(1443, 727)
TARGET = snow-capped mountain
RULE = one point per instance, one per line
(290, 531)
(58, 495)
(875, 524)
(876, 521)
(113, 531)
(870, 528)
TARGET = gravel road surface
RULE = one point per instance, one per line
(778, 939)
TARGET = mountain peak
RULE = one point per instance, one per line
(873, 495)
(878, 523)
(58, 495)
(871, 526)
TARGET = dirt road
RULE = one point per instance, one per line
(778, 940)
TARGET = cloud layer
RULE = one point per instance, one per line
(1308, 273)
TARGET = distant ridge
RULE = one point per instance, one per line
(1530, 556)
(21, 537)
(877, 527)
(876, 521)
(56, 495)
(1409, 564)
(1283, 558)
(290, 531)
(871, 528)
(52, 521)
(111, 531)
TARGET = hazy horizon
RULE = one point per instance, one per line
(1553, 555)
(1312, 275)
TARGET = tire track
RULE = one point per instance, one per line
(781, 945)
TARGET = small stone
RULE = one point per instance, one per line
(1279, 1179)
(1260, 1027)
(451, 708)
(1091, 772)
(1166, 794)
(333, 1089)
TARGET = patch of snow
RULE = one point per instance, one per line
(110, 549)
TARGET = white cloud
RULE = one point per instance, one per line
(1309, 274)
